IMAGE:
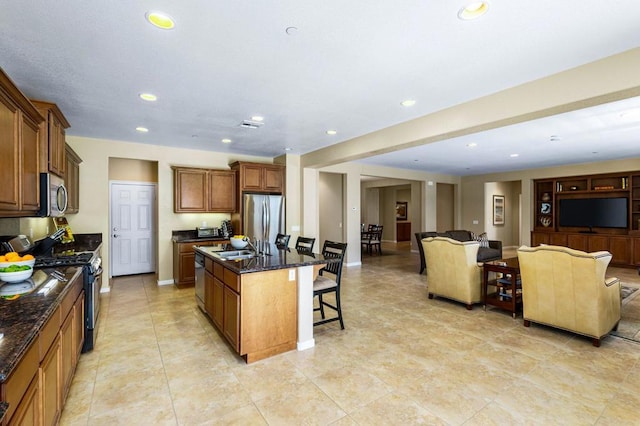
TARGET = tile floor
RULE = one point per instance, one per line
(402, 359)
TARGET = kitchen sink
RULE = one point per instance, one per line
(234, 254)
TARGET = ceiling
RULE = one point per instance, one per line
(343, 66)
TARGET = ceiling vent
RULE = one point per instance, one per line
(248, 124)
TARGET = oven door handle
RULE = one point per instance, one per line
(98, 272)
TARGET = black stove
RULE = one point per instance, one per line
(77, 259)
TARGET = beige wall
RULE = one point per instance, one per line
(331, 208)
(126, 169)
(445, 207)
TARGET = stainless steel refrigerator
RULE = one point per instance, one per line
(263, 216)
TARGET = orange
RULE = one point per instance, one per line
(27, 257)
(3, 259)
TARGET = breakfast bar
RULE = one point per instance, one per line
(261, 303)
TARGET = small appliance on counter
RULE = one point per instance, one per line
(23, 245)
(208, 232)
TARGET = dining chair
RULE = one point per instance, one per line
(305, 244)
(372, 239)
(324, 285)
(282, 240)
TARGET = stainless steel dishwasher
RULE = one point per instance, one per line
(199, 279)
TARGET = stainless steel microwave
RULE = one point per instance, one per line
(53, 195)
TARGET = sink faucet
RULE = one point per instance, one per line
(248, 240)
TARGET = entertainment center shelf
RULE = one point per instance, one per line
(590, 213)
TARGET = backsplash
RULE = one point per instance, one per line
(33, 227)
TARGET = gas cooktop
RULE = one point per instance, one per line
(77, 259)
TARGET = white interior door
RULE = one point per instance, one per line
(132, 224)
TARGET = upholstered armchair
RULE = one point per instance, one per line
(454, 272)
(567, 289)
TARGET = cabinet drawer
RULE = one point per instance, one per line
(49, 332)
(186, 247)
(218, 271)
(232, 280)
(208, 265)
(25, 371)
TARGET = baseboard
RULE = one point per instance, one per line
(353, 264)
(165, 282)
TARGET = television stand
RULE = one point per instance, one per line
(587, 232)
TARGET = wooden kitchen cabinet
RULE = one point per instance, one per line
(184, 260)
(72, 180)
(52, 138)
(50, 384)
(203, 190)
(231, 323)
(19, 152)
(258, 177)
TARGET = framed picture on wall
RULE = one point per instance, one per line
(401, 210)
(498, 209)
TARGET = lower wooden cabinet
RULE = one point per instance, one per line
(625, 249)
(38, 386)
(255, 312)
(184, 270)
(50, 384)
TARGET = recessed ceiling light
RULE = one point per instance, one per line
(142, 129)
(149, 97)
(473, 10)
(160, 20)
(554, 138)
(514, 155)
(257, 118)
(288, 149)
(226, 140)
(331, 132)
(472, 145)
(408, 102)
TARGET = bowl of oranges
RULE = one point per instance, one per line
(15, 268)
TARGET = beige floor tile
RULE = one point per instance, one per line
(402, 359)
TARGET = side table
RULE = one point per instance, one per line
(508, 294)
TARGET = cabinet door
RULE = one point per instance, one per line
(72, 180)
(620, 248)
(27, 412)
(187, 273)
(558, 239)
(208, 293)
(50, 384)
(56, 145)
(222, 191)
(538, 238)
(190, 193)
(578, 242)
(636, 252)
(30, 175)
(67, 350)
(273, 179)
(217, 315)
(231, 323)
(9, 155)
(251, 177)
(598, 243)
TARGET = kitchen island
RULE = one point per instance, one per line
(262, 305)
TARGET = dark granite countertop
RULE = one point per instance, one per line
(22, 318)
(3, 410)
(191, 236)
(82, 242)
(277, 258)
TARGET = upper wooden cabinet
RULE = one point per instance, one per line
(203, 190)
(52, 138)
(72, 180)
(258, 177)
(19, 152)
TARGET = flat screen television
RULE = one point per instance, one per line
(594, 212)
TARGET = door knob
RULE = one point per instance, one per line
(115, 235)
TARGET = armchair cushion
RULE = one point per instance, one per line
(566, 288)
